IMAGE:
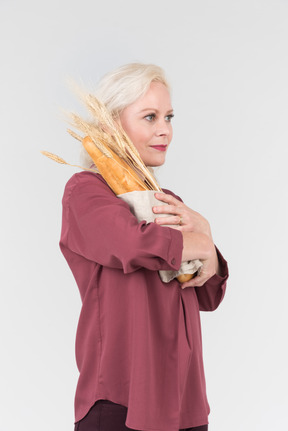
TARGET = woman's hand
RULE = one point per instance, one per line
(180, 216)
(202, 246)
(197, 236)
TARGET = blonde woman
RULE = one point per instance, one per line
(138, 345)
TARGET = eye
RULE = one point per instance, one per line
(169, 117)
(150, 117)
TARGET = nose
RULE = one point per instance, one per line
(164, 128)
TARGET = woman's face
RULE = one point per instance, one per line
(147, 122)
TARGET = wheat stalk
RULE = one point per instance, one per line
(62, 161)
(104, 130)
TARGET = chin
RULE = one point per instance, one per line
(154, 163)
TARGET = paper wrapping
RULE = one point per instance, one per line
(141, 203)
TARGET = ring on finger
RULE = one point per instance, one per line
(181, 220)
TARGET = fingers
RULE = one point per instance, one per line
(166, 209)
(171, 220)
(169, 199)
(172, 208)
(187, 219)
(198, 281)
(206, 273)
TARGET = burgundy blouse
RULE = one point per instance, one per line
(138, 340)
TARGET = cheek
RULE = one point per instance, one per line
(139, 145)
(138, 133)
(136, 138)
(126, 127)
(140, 137)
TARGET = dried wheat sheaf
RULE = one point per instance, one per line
(106, 133)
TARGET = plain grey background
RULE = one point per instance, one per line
(228, 67)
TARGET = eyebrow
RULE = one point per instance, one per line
(156, 110)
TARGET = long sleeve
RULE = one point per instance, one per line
(100, 227)
(212, 292)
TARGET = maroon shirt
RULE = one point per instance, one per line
(138, 339)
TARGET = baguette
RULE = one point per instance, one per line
(115, 171)
(182, 278)
(119, 176)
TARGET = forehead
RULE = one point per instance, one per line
(156, 97)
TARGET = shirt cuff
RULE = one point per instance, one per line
(223, 269)
(174, 257)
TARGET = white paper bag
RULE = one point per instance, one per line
(141, 203)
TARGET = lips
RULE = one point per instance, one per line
(160, 147)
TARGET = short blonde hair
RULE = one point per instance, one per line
(126, 84)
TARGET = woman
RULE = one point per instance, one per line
(138, 345)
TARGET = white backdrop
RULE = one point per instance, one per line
(228, 66)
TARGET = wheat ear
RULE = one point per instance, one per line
(105, 132)
(62, 161)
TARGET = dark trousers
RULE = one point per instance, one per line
(108, 416)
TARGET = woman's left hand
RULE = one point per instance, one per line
(180, 216)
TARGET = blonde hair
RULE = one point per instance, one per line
(123, 86)
(128, 83)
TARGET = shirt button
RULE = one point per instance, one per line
(173, 261)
